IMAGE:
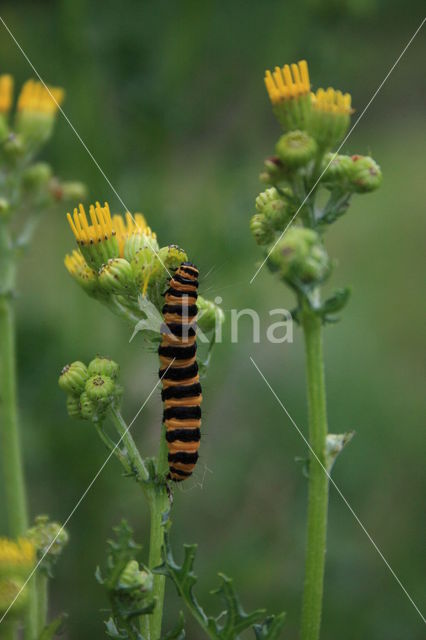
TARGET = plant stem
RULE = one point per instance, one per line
(159, 504)
(135, 458)
(318, 480)
(41, 581)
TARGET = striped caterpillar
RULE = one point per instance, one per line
(181, 392)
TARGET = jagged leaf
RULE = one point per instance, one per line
(271, 628)
(236, 619)
(336, 302)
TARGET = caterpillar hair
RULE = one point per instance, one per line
(181, 392)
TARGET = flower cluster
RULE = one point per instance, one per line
(49, 539)
(303, 164)
(119, 262)
(90, 389)
(17, 560)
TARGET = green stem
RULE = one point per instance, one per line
(318, 479)
(134, 456)
(159, 504)
(12, 465)
(41, 581)
(8, 631)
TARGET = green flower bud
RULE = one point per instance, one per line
(69, 191)
(170, 257)
(274, 171)
(274, 207)
(261, 229)
(14, 147)
(13, 590)
(134, 579)
(73, 378)
(337, 169)
(116, 276)
(295, 149)
(365, 174)
(73, 406)
(300, 256)
(87, 407)
(100, 388)
(103, 366)
(330, 116)
(210, 316)
(143, 239)
(49, 538)
(36, 176)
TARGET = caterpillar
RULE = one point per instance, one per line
(181, 392)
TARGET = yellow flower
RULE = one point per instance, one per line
(16, 557)
(79, 270)
(289, 91)
(6, 93)
(35, 96)
(332, 101)
(288, 82)
(36, 111)
(330, 116)
(106, 236)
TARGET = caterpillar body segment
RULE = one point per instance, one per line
(181, 394)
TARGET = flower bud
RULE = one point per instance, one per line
(14, 147)
(274, 171)
(210, 316)
(100, 388)
(116, 276)
(68, 191)
(300, 256)
(73, 406)
(49, 538)
(261, 229)
(87, 407)
(336, 170)
(295, 149)
(289, 91)
(274, 207)
(73, 378)
(103, 366)
(365, 174)
(78, 269)
(36, 176)
(166, 261)
(134, 579)
(97, 241)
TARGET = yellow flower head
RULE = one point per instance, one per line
(332, 101)
(105, 236)
(330, 116)
(289, 92)
(79, 270)
(37, 97)
(6, 93)
(289, 82)
(16, 557)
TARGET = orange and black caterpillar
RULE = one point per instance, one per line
(181, 392)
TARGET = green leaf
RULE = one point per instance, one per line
(335, 303)
(228, 624)
(54, 629)
(271, 628)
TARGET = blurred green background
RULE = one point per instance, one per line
(169, 98)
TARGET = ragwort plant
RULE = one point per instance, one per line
(28, 190)
(309, 188)
(120, 263)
